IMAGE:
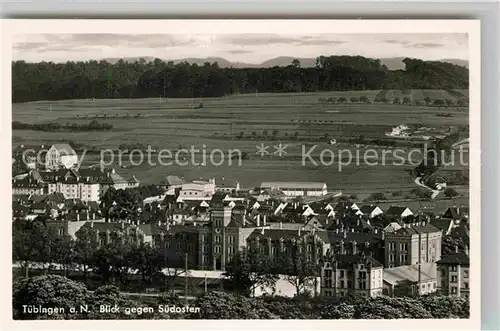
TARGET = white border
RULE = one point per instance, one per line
(471, 27)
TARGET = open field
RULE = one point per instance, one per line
(242, 122)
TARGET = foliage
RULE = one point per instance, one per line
(94, 125)
(143, 79)
(50, 291)
(222, 305)
(450, 192)
(249, 270)
(451, 242)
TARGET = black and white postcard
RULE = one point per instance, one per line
(294, 173)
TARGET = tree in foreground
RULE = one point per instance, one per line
(51, 291)
(249, 270)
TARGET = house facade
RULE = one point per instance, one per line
(351, 274)
(61, 156)
(197, 190)
(296, 189)
(453, 274)
(72, 185)
(412, 244)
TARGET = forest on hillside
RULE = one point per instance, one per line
(142, 79)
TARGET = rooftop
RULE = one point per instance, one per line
(64, 149)
(410, 273)
(293, 185)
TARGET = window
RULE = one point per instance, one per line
(273, 250)
(60, 231)
(309, 248)
(466, 273)
(454, 267)
(443, 272)
(178, 246)
(342, 274)
(404, 257)
(217, 249)
(392, 246)
(230, 239)
(349, 284)
(362, 275)
(453, 279)
(328, 273)
(443, 283)
(328, 283)
(453, 289)
(404, 247)
(466, 285)
(392, 257)
(342, 284)
(231, 249)
(217, 239)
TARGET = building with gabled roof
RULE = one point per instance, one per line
(296, 189)
(61, 156)
(370, 211)
(413, 243)
(410, 280)
(453, 274)
(356, 274)
(398, 212)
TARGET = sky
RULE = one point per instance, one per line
(248, 48)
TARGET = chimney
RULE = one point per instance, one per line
(456, 248)
(92, 224)
(258, 220)
(342, 251)
(354, 247)
(337, 230)
(466, 250)
(265, 218)
(93, 216)
(123, 225)
(376, 231)
(352, 230)
(337, 221)
(357, 223)
(88, 215)
(299, 231)
(383, 235)
(281, 225)
(345, 233)
(77, 216)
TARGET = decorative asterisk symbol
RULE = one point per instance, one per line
(262, 149)
(280, 149)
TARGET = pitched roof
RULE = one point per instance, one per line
(292, 185)
(455, 258)
(416, 228)
(359, 237)
(410, 273)
(395, 210)
(346, 261)
(457, 212)
(367, 209)
(442, 224)
(65, 149)
(174, 180)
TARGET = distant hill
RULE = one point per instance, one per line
(393, 63)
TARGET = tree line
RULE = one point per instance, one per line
(141, 79)
(94, 125)
(59, 291)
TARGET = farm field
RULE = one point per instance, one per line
(243, 122)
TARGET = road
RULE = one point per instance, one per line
(435, 193)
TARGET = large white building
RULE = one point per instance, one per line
(60, 156)
(72, 185)
(197, 190)
(296, 189)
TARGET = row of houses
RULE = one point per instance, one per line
(404, 261)
(86, 184)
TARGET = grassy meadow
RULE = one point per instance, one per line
(242, 122)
